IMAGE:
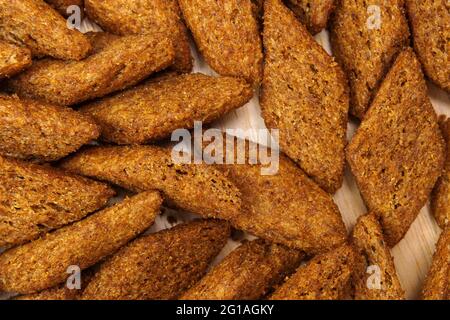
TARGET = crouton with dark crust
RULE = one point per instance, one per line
(163, 17)
(154, 110)
(325, 277)
(34, 130)
(430, 23)
(196, 188)
(365, 47)
(43, 263)
(227, 34)
(159, 266)
(116, 64)
(305, 96)
(247, 273)
(35, 199)
(372, 252)
(36, 25)
(398, 152)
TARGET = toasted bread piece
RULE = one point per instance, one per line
(36, 25)
(161, 17)
(325, 277)
(35, 199)
(43, 263)
(37, 130)
(62, 291)
(159, 266)
(430, 23)
(247, 273)
(312, 13)
(372, 252)
(154, 110)
(304, 95)
(227, 34)
(398, 152)
(62, 5)
(13, 59)
(366, 49)
(437, 283)
(118, 63)
(195, 188)
(440, 197)
(278, 206)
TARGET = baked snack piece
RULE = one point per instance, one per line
(398, 152)
(13, 59)
(247, 273)
(430, 23)
(48, 35)
(227, 34)
(62, 5)
(285, 207)
(154, 110)
(154, 17)
(35, 199)
(437, 283)
(372, 252)
(312, 13)
(36, 130)
(117, 63)
(305, 96)
(43, 263)
(159, 266)
(440, 197)
(325, 277)
(196, 188)
(365, 48)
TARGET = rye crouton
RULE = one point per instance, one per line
(372, 252)
(227, 34)
(43, 263)
(159, 266)
(161, 17)
(365, 47)
(398, 152)
(305, 96)
(35, 199)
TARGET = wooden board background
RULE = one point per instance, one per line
(412, 255)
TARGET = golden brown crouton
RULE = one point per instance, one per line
(227, 34)
(247, 273)
(304, 95)
(121, 63)
(62, 5)
(35, 199)
(437, 283)
(162, 17)
(159, 266)
(366, 47)
(326, 277)
(154, 110)
(37, 130)
(36, 25)
(198, 188)
(440, 197)
(312, 13)
(372, 252)
(430, 22)
(43, 263)
(13, 59)
(285, 207)
(398, 152)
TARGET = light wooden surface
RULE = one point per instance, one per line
(412, 255)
